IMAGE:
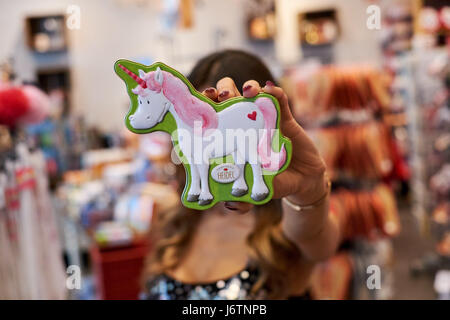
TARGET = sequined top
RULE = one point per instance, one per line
(237, 287)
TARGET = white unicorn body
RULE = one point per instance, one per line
(198, 125)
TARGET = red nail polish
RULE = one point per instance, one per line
(248, 87)
(270, 83)
(209, 90)
(223, 94)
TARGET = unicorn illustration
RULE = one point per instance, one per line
(159, 92)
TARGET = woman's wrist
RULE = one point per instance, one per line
(313, 193)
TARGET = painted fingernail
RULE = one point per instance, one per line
(209, 90)
(247, 87)
(270, 83)
(224, 94)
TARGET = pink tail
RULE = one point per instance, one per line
(270, 159)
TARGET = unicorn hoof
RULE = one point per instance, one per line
(259, 196)
(238, 192)
(192, 197)
(204, 202)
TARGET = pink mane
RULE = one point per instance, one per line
(188, 107)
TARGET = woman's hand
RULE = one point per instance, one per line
(303, 181)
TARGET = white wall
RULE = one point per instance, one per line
(110, 30)
(356, 43)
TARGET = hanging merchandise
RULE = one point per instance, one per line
(445, 16)
(369, 214)
(31, 266)
(433, 23)
(34, 268)
(429, 19)
(334, 91)
(342, 109)
(432, 83)
(240, 136)
(360, 150)
(9, 269)
(432, 19)
(398, 27)
(369, 260)
(55, 276)
(345, 275)
(331, 279)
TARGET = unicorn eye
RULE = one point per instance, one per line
(148, 102)
(140, 102)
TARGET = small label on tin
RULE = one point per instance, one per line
(225, 173)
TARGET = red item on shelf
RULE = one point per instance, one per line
(13, 105)
(118, 270)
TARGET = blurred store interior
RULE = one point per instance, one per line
(368, 79)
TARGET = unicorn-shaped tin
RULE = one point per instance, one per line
(231, 150)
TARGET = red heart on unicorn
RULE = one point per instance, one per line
(252, 116)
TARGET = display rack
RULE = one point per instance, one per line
(342, 109)
(430, 116)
